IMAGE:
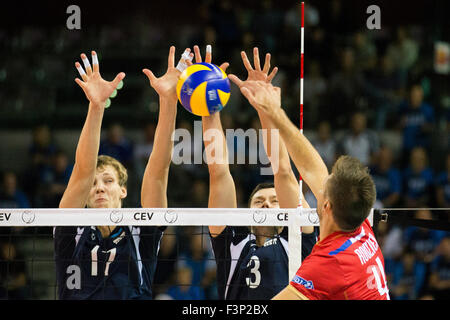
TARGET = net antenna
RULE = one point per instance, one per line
(295, 234)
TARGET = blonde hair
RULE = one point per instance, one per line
(103, 161)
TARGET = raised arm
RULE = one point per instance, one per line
(222, 190)
(286, 184)
(97, 91)
(154, 184)
(266, 99)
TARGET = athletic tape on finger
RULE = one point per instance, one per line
(81, 70)
(184, 57)
(86, 63)
(94, 59)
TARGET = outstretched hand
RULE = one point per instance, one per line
(166, 85)
(96, 89)
(258, 90)
(208, 57)
(255, 74)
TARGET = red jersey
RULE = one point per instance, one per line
(343, 266)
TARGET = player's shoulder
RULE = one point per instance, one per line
(339, 242)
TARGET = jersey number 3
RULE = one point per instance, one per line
(255, 271)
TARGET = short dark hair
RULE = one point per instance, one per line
(264, 185)
(351, 192)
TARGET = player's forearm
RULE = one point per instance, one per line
(275, 147)
(154, 183)
(306, 158)
(89, 142)
(286, 185)
(82, 177)
(216, 151)
(161, 156)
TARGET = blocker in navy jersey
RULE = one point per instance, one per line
(248, 272)
(120, 266)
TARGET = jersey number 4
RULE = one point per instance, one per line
(380, 282)
(255, 272)
(94, 255)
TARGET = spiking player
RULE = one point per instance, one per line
(113, 262)
(251, 264)
(346, 263)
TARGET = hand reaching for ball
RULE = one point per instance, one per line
(208, 57)
(166, 85)
(258, 90)
(96, 89)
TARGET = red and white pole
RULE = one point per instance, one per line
(300, 204)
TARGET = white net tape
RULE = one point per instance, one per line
(292, 218)
(155, 217)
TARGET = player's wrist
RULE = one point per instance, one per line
(97, 105)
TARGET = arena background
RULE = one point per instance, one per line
(348, 69)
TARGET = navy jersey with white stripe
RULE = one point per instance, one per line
(248, 272)
(120, 266)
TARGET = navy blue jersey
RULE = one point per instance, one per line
(248, 272)
(120, 266)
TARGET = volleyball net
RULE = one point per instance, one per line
(28, 248)
(415, 244)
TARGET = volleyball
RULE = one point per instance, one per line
(203, 89)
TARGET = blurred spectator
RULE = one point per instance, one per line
(365, 51)
(315, 87)
(224, 20)
(184, 289)
(42, 148)
(13, 280)
(10, 194)
(422, 241)
(198, 194)
(359, 142)
(117, 146)
(267, 25)
(417, 119)
(325, 144)
(167, 258)
(417, 179)
(54, 181)
(144, 148)
(388, 179)
(443, 185)
(41, 151)
(408, 278)
(346, 85)
(198, 257)
(404, 51)
(440, 271)
(448, 129)
(391, 246)
(384, 90)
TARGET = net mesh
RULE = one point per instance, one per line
(417, 259)
(186, 266)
